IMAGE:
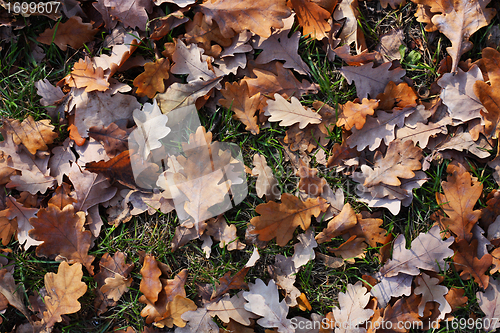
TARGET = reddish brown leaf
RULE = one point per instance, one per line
(228, 282)
(238, 99)
(466, 262)
(397, 96)
(63, 235)
(312, 18)
(114, 138)
(150, 283)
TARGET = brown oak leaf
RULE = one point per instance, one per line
(34, 135)
(466, 262)
(200, 32)
(489, 95)
(397, 96)
(354, 114)
(63, 235)
(150, 282)
(114, 138)
(237, 99)
(279, 220)
(235, 16)
(312, 18)
(73, 32)
(152, 80)
(460, 196)
(345, 220)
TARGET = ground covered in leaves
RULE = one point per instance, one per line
(250, 166)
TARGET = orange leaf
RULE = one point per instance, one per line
(34, 135)
(354, 114)
(84, 75)
(466, 262)
(151, 81)
(397, 96)
(279, 220)
(238, 99)
(63, 290)
(312, 18)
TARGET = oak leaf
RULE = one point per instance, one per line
(460, 196)
(198, 321)
(428, 251)
(401, 312)
(179, 95)
(394, 3)
(111, 267)
(489, 95)
(352, 248)
(228, 282)
(461, 20)
(100, 108)
(233, 308)
(223, 233)
(352, 307)
(8, 227)
(152, 80)
(266, 183)
(62, 196)
(431, 291)
(351, 32)
(354, 114)
(378, 128)
(264, 301)
(400, 160)
(466, 262)
(63, 291)
(281, 47)
(22, 215)
(309, 182)
(235, 17)
(394, 286)
(132, 13)
(489, 302)
(150, 282)
(397, 96)
(13, 293)
(73, 32)
(113, 137)
(279, 220)
(237, 98)
(289, 113)
(63, 234)
(85, 75)
(60, 162)
(200, 32)
(345, 220)
(312, 18)
(190, 60)
(372, 81)
(282, 81)
(34, 135)
(458, 93)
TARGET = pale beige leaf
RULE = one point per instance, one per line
(304, 249)
(231, 308)
(289, 113)
(352, 307)
(431, 291)
(266, 183)
(116, 286)
(489, 302)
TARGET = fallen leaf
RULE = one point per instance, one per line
(205, 35)
(264, 301)
(150, 282)
(390, 43)
(372, 81)
(402, 311)
(352, 248)
(345, 220)
(460, 196)
(428, 251)
(281, 47)
(312, 18)
(63, 235)
(489, 95)
(235, 17)
(73, 32)
(34, 135)
(354, 114)
(388, 287)
(461, 20)
(237, 99)
(198, 321)
(466, 262)
(352, 307)
(22, 215)
(458, 93)
(113, 137)
(13, 293)
(85, 75)
(303, 251)
(488, 302)
(228, 282)
(266, 183)
(397, 96)
(431, 291)
(152, 80)
(289, 113)
(190, 60)
(63, 291)
(351, 32)
(279, 220)
(132, 13)
(231, 308)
